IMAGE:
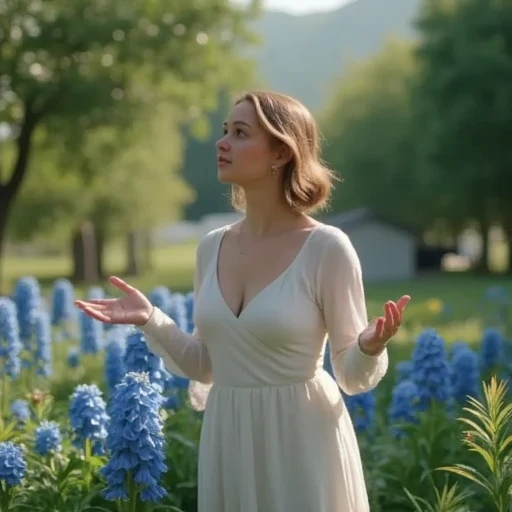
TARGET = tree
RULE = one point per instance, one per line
(79, 65)
(463, 101)
(137, 189)
(369, 136)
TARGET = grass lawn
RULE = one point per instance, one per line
(459, 294)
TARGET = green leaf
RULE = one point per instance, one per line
(469, 473)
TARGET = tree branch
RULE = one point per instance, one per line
(23, 144)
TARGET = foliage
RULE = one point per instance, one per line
(81, 83)
(418, 130)
(367, 125)
(407, 429)
(490, 436)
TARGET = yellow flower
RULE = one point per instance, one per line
(434, 305)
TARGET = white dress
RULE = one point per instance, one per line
(276, 435)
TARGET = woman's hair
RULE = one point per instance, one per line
(307, 181)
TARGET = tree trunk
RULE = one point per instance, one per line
(9, 190)
(482, 266)
(85, 254)
(100, 238)
(148, 249)
(133, 265)
(507, 227)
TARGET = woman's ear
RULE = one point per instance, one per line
(284, 155)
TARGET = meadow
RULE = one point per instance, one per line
(92, 421)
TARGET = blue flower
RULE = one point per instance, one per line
(178, 311)
(491, 349)
(12, 463)
(10, 344)
(43, 353)
(465, 374)
(497, 294)
(161, 298)
(405, 405)
(115, 348)
(27, 296)
(48, 438)
(96, 292)
(91, 334)
(189, 307)
(88, 416)
(20, 410)
(431, 370)
(176, 382)
(62, 302)
(138, 358)
(456, 346)
(135, 440)
(362, 410)
(327, 361)
(73, 357)
(172, 402)
(403, 370)
(496, 305)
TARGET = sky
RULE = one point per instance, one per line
(304, 6)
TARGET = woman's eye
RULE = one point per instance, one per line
(238, 132)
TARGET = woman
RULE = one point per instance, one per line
(270, 290)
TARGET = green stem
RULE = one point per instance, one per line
(6, 497)
(132, 490)
(87, 458)
(5, 397)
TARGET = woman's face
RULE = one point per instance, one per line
(244, 154)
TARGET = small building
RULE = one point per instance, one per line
(388, 251)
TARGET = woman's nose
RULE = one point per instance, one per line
(223, 144)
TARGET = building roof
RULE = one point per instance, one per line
(353, 218)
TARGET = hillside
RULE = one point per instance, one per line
(301, 55)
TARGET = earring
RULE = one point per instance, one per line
(274, 171)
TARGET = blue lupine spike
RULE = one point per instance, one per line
(48, 438)
(431, 370)
(135, 440)
(139, 358)
(62, 302)
(10, 344)
(12, 463)
(43, 353)
(88, 416)
(405, 405)
(27, 296)
(465, 375)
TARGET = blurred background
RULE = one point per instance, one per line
(109, 113)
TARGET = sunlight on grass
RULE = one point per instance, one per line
(447, 301)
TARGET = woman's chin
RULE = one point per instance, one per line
(225, 177)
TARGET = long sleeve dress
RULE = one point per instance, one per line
(276, 435)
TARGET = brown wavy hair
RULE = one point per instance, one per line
(307, 182)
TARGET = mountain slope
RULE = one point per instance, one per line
(301, 55)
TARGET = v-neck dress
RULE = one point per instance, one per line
(276, 435)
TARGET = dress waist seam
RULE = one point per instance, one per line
(267, 386)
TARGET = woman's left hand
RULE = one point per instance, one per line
(375, 337)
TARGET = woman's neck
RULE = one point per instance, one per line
(264, 217)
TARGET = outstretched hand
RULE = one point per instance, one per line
(375, 337)
(133, 308)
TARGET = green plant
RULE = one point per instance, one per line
(450, 499)
(489, 435)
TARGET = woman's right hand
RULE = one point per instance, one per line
(134, 308)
